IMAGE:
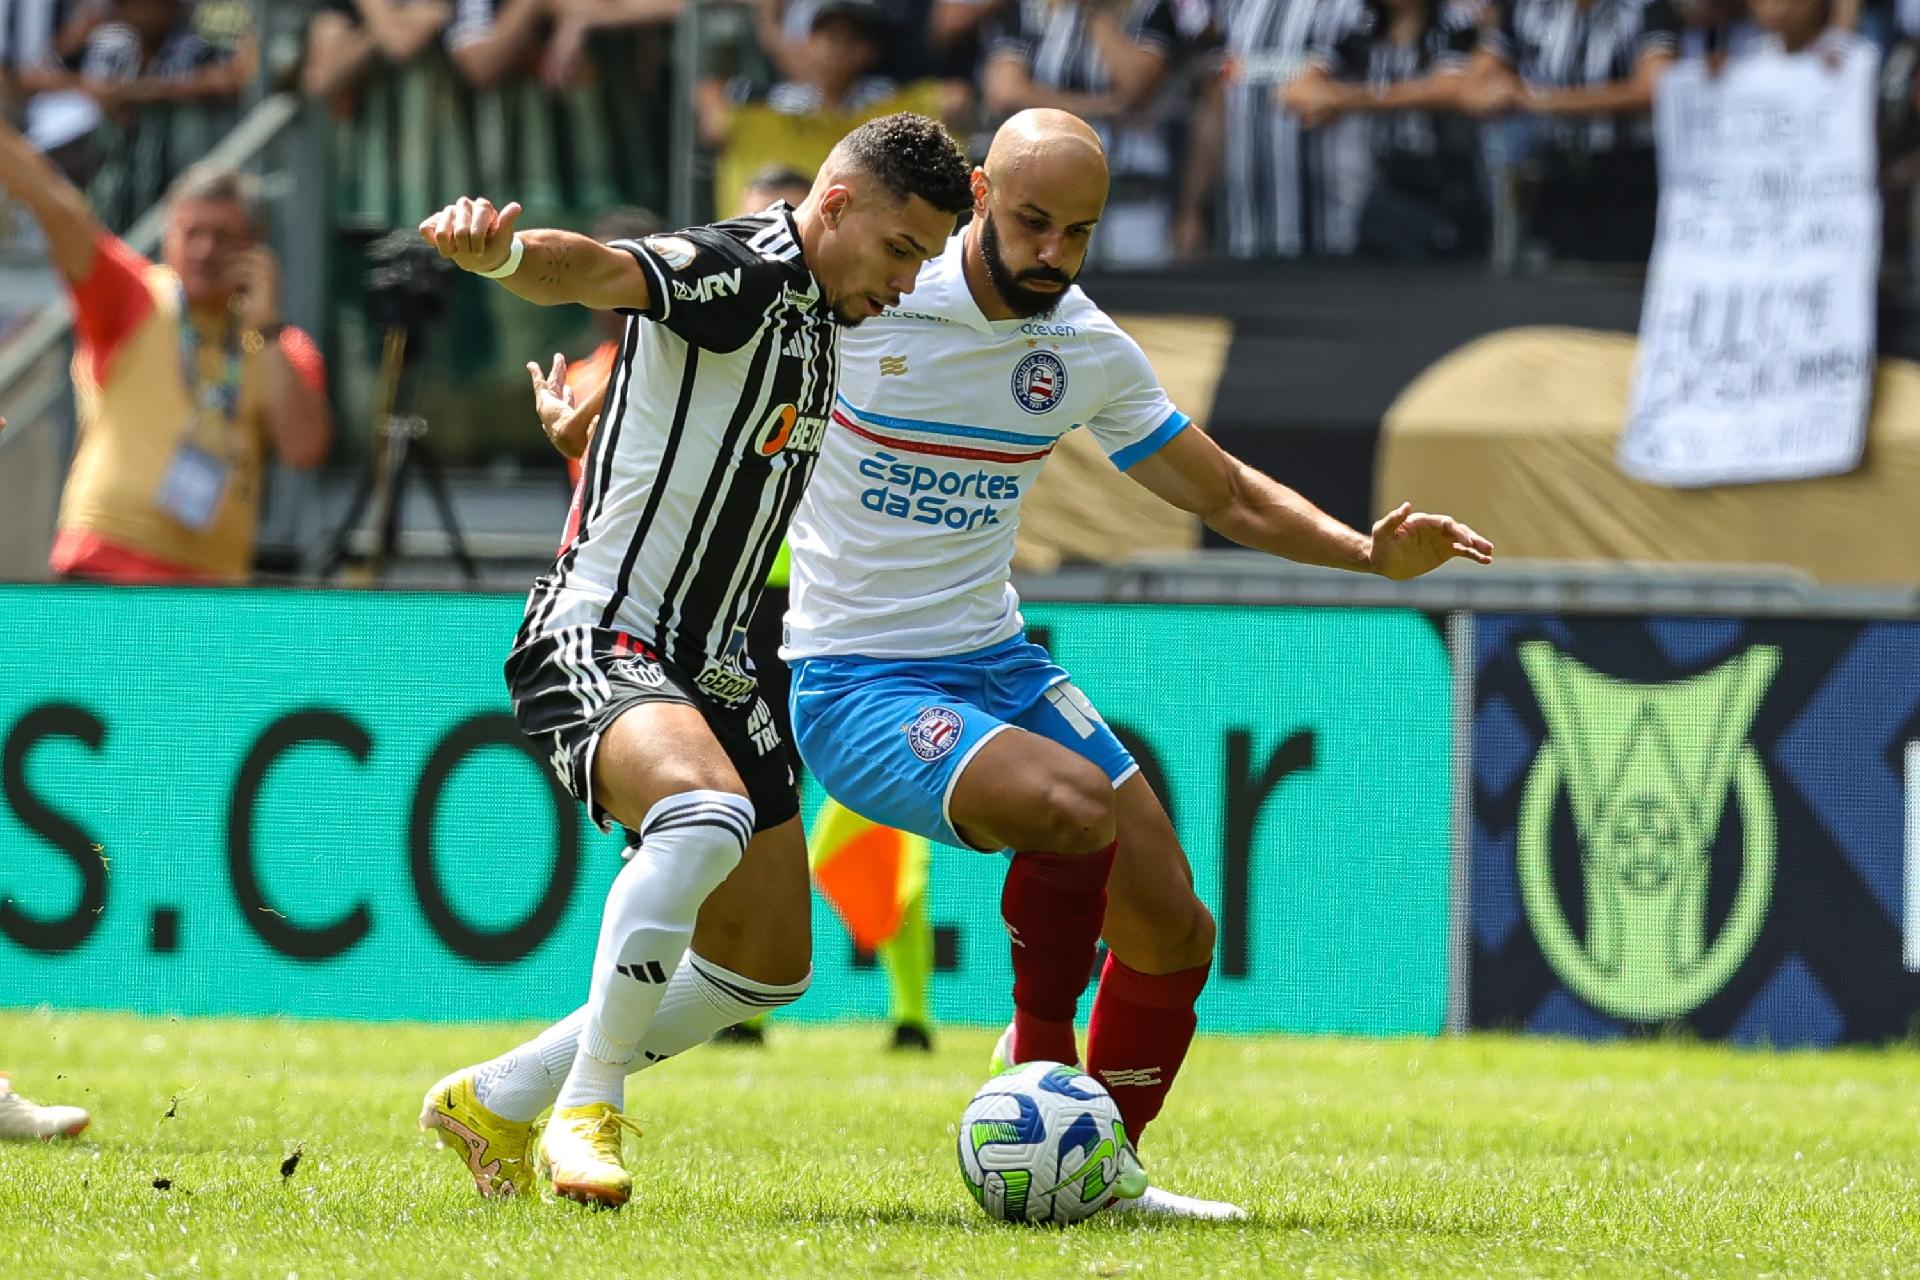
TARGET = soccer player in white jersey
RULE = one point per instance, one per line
(917, 700)
(628, 667)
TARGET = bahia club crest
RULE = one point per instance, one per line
(1648, 771)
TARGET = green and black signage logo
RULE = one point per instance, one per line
(1695, 821)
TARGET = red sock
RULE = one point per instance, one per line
(1142, 1024)
(1054, 904)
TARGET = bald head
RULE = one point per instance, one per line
(1039, 196)
(1056, 147)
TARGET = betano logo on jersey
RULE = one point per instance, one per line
(791, 430)
(932, 496)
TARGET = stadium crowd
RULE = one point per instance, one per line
(1243, 128)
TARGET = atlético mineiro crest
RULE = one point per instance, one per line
(1039, 381)
(933, 733)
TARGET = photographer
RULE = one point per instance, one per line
(184, 377)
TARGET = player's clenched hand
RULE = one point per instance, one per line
(1408, 543)
(473, 233)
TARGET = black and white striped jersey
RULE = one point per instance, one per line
(1286, 191)
(28, 28)
(1564, 44)
(712, 423)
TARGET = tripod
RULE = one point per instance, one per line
(400, 451)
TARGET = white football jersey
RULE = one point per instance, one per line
(903, 543)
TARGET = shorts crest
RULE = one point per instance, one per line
(933, 733)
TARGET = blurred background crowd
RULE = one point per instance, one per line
(1506, 139)
(1239, 128)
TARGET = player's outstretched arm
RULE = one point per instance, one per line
(553, 267)
(1254, 510)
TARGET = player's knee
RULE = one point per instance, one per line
(1076, 812)
(1175, 935)
(773, 947)
(631, 795)
(1195, 943)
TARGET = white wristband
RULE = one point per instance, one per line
(511, 265)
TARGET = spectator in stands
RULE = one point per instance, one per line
(41, 43)
(1566, 86)
(835, 86)
(40, 46)
(1107, 62)
(492, 41)
(1790, 26)
(1285, 191)
(347, 39)
(1403, 63)
(775, 182)
(907, 49)
(227, 25)
(150, 53)
(955, 27)
(1196, 206)
(575, 22)
(835, 68)
(185, 378)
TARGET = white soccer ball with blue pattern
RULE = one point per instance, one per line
(1041, 1143)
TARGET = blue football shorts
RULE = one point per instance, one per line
(888, 738)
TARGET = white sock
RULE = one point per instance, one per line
(702, 998)
(524, 1081)
(688, 845)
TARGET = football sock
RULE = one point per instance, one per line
(702, 998)
(524, 1081)
(1053, 904)
(1138, 1036)
(688, 844)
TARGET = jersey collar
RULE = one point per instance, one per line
(942, 288)
(793, 229)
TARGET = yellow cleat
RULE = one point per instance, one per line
(494, 1146)
(580, 1154)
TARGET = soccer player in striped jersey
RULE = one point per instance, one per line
(629, 667)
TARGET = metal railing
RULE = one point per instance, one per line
(1249, 577)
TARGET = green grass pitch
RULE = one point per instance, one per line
(824, 1156)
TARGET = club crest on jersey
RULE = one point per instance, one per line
(1039, 381)
(933, 733)
(676, 251)
(639, 669)
(790, 430)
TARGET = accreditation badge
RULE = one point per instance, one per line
(191, 490)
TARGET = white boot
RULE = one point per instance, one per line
(1135, 1194)
(20, 1118)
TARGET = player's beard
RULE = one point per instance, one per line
(1030, 304)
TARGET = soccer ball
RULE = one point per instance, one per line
(1041, 1143)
